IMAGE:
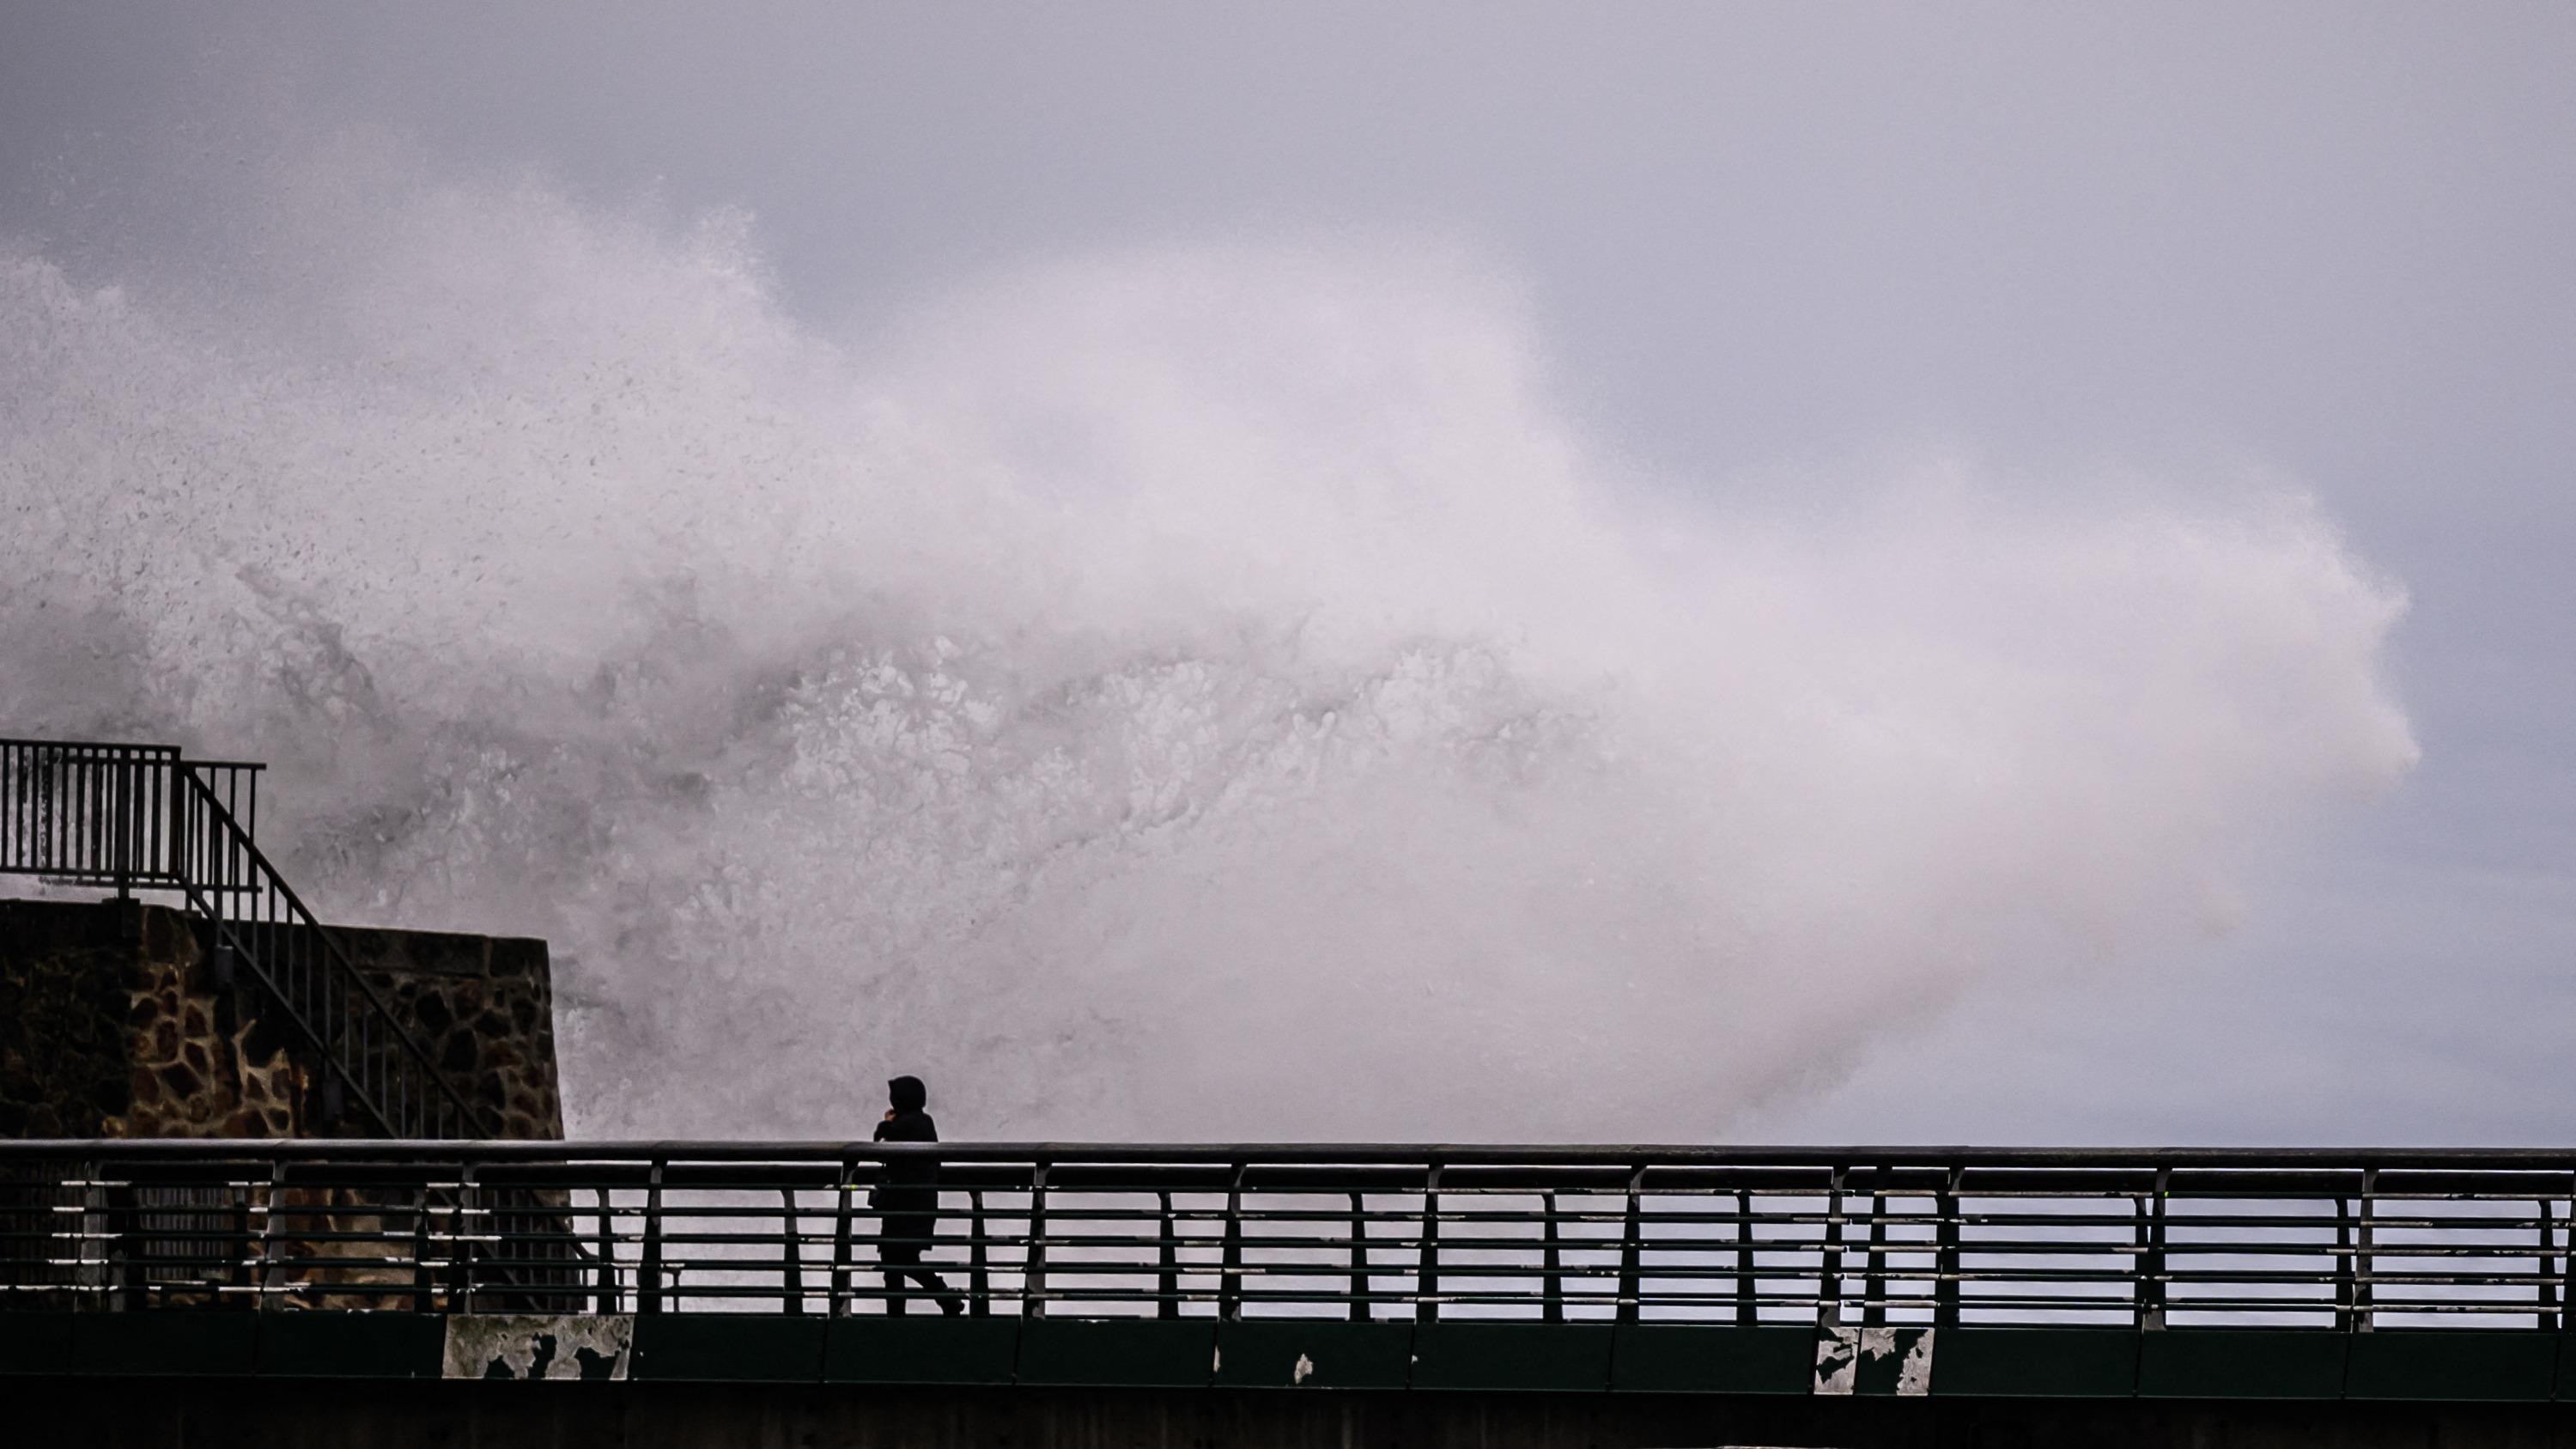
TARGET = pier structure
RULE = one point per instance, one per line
(388, 1270)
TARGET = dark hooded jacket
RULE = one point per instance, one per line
(907, 1197)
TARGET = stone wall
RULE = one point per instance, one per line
(485, 1008)
(112, 1025)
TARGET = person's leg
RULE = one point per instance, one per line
(932, 1283)
(901, 1261)
(951, 1304)
(908, 1255)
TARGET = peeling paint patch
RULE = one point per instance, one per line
(1874, 1361)
(539, 1346)
(1305, 1370)
(1914, 1373)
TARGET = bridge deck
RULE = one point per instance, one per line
(2429, 1275)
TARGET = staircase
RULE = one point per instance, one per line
(130, 818)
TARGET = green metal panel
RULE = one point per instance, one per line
(2285, 1364)
(1453, 1355)
(2240, 1363)
(35, 1343)
(352, 1345)
(181, 1341)
(2459, 1363)
(1138, 1352)
(767, 1348)
(2036, 1362)
(1315, 1353)
(917, 1349)
(1715, 1359)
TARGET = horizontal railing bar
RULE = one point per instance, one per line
(91, 748)
(1064, 1154)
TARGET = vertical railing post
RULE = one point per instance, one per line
(460, 1243)
(2342, 1265)
(1632, 1249)
(1033, 1274)
(978, 1271)
(135, 822)
(272, 1271)
(2152, 1278)
(1359, 1262)
(648, 1272)
(1167, 1283)
(1829, 1278)
(1945, 1264)
(2548, 1288)
(241, 1242)
(2347, 1265)
(791, 1255)
(1229, 1283)
(1426, 1279)
(843, 1211)
(1873, 1276)
(424, 1283)
(607, 1277)
(2567, 1267)
(120, 840)
(1748, 1291)
(2364, 1317)
(125, 1248)
(183, 838)
(1552, 1308)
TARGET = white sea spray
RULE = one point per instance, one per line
(1208, 689)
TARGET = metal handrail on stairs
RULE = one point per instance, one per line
(146, 818)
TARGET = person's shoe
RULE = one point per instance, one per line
(952, 1305)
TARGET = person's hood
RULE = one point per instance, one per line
(907, 1094)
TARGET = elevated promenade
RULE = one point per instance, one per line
(1296, 1294)
(377, 1271)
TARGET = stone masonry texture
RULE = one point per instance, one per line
(112, 1025)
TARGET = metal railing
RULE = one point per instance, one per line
(1842, 1237)
(145, 818)
(112, 815)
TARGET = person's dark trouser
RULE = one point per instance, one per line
(902, 1260)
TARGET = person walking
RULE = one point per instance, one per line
(907, 1199)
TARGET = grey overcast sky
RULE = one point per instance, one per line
(2328, 243)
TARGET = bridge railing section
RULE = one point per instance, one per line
(145, 818)
(1838, 1237)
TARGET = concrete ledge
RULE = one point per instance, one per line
(1715, 1359)
(350, 1345)
(2455, 1364)
(2242, 1363)
(36, 1343)
(1514, 1357)
(1317, 1353)
(185, 1344)
(753, 1347)
(1149, 1352)
(2037, 1362)
(917, 1349)
(2282, 1366)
